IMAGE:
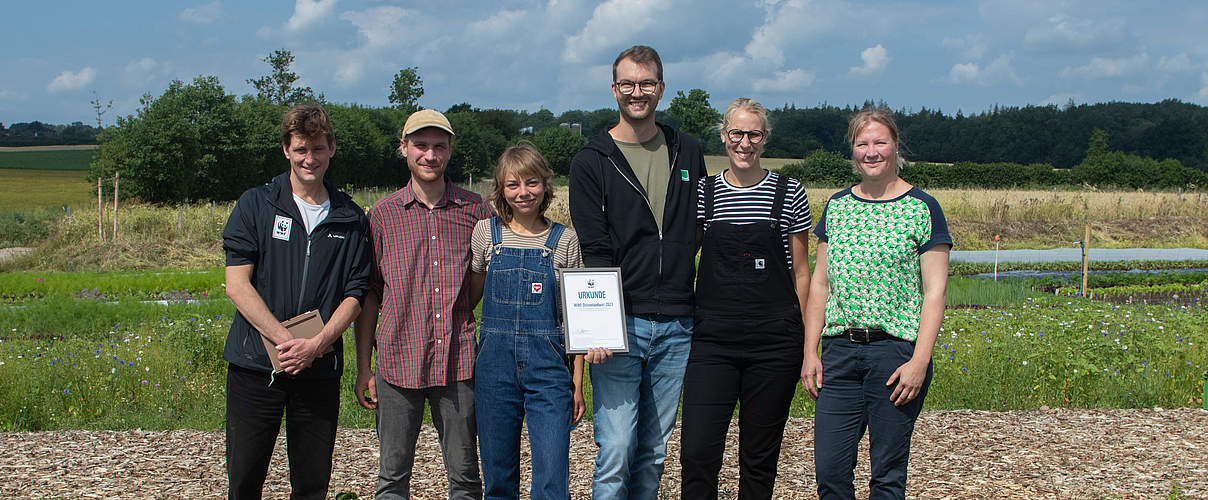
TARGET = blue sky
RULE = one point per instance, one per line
(556, 54)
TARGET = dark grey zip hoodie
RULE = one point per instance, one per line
(616, 227)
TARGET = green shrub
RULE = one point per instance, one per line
(22, 228)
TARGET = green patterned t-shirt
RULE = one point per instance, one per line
(872, 259)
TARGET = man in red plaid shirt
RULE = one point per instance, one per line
(425, 335)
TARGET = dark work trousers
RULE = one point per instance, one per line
(854, 397)
(253, 417)
(761, 372)
(747, 343)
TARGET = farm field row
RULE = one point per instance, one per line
(46, 158)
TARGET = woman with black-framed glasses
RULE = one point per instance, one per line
(750, 290)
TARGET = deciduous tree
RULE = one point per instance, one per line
(558, 145)
(406, 89)
(278, 87)
(696, 115)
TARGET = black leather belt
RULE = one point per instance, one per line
(861, 335)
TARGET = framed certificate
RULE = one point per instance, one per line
(593, 309)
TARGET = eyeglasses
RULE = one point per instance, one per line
(755, 136)
(627, 87)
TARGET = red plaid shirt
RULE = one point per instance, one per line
(425, 332)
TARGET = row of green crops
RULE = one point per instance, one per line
(15, 286)
(967, 268)
(1136, 290)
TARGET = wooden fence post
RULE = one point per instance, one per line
(116, 175)
(1085, 259)
(100, 213)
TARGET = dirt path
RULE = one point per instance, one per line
(956, 454)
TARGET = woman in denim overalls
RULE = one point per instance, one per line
(522, 371)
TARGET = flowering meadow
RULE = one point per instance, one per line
(111, 358)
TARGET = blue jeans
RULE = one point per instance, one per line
(635, 396)
(854, 397)
(523, 377)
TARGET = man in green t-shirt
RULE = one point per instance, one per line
(633, 204)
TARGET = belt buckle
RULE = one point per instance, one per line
(860, 335)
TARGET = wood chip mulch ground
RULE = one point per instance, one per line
(956, 454)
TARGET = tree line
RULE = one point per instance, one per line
(197, 141)
(36, 133)
(1051, 135)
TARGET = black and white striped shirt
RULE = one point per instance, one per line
(753, 204)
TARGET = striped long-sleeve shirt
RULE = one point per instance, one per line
(753, 204)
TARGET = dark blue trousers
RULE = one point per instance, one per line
(853, 398)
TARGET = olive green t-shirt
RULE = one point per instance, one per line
(652, 167)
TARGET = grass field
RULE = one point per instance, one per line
(47, 158)
(32, 189)
(716, 163)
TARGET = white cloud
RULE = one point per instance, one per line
(1176, 64)
(613, 21)
(350, 71)
(307, 13)
(202, 14)
(381, 26)
(785, 81)
(998, 71)
(875, 59)
(1108, 67)
(144, 65)
(972, 47)
(11, 95)
(1203, 85)
(1062, 31)
(142, 71)
(790, 24)
(503, 22)
(71, 81)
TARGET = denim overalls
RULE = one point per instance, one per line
(521, 371)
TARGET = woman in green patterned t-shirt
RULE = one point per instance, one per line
(875, 305)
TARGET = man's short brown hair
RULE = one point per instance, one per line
(308, 121)
(640, 54)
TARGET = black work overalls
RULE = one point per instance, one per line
(747, 346)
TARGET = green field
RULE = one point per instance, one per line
(34, 189)
(716, 163)
(46, 158)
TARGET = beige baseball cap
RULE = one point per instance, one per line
(427, 118)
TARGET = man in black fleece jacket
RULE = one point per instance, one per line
(633, 205)
(292, 246)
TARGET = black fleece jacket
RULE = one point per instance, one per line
(616, 227)
(294, 273)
